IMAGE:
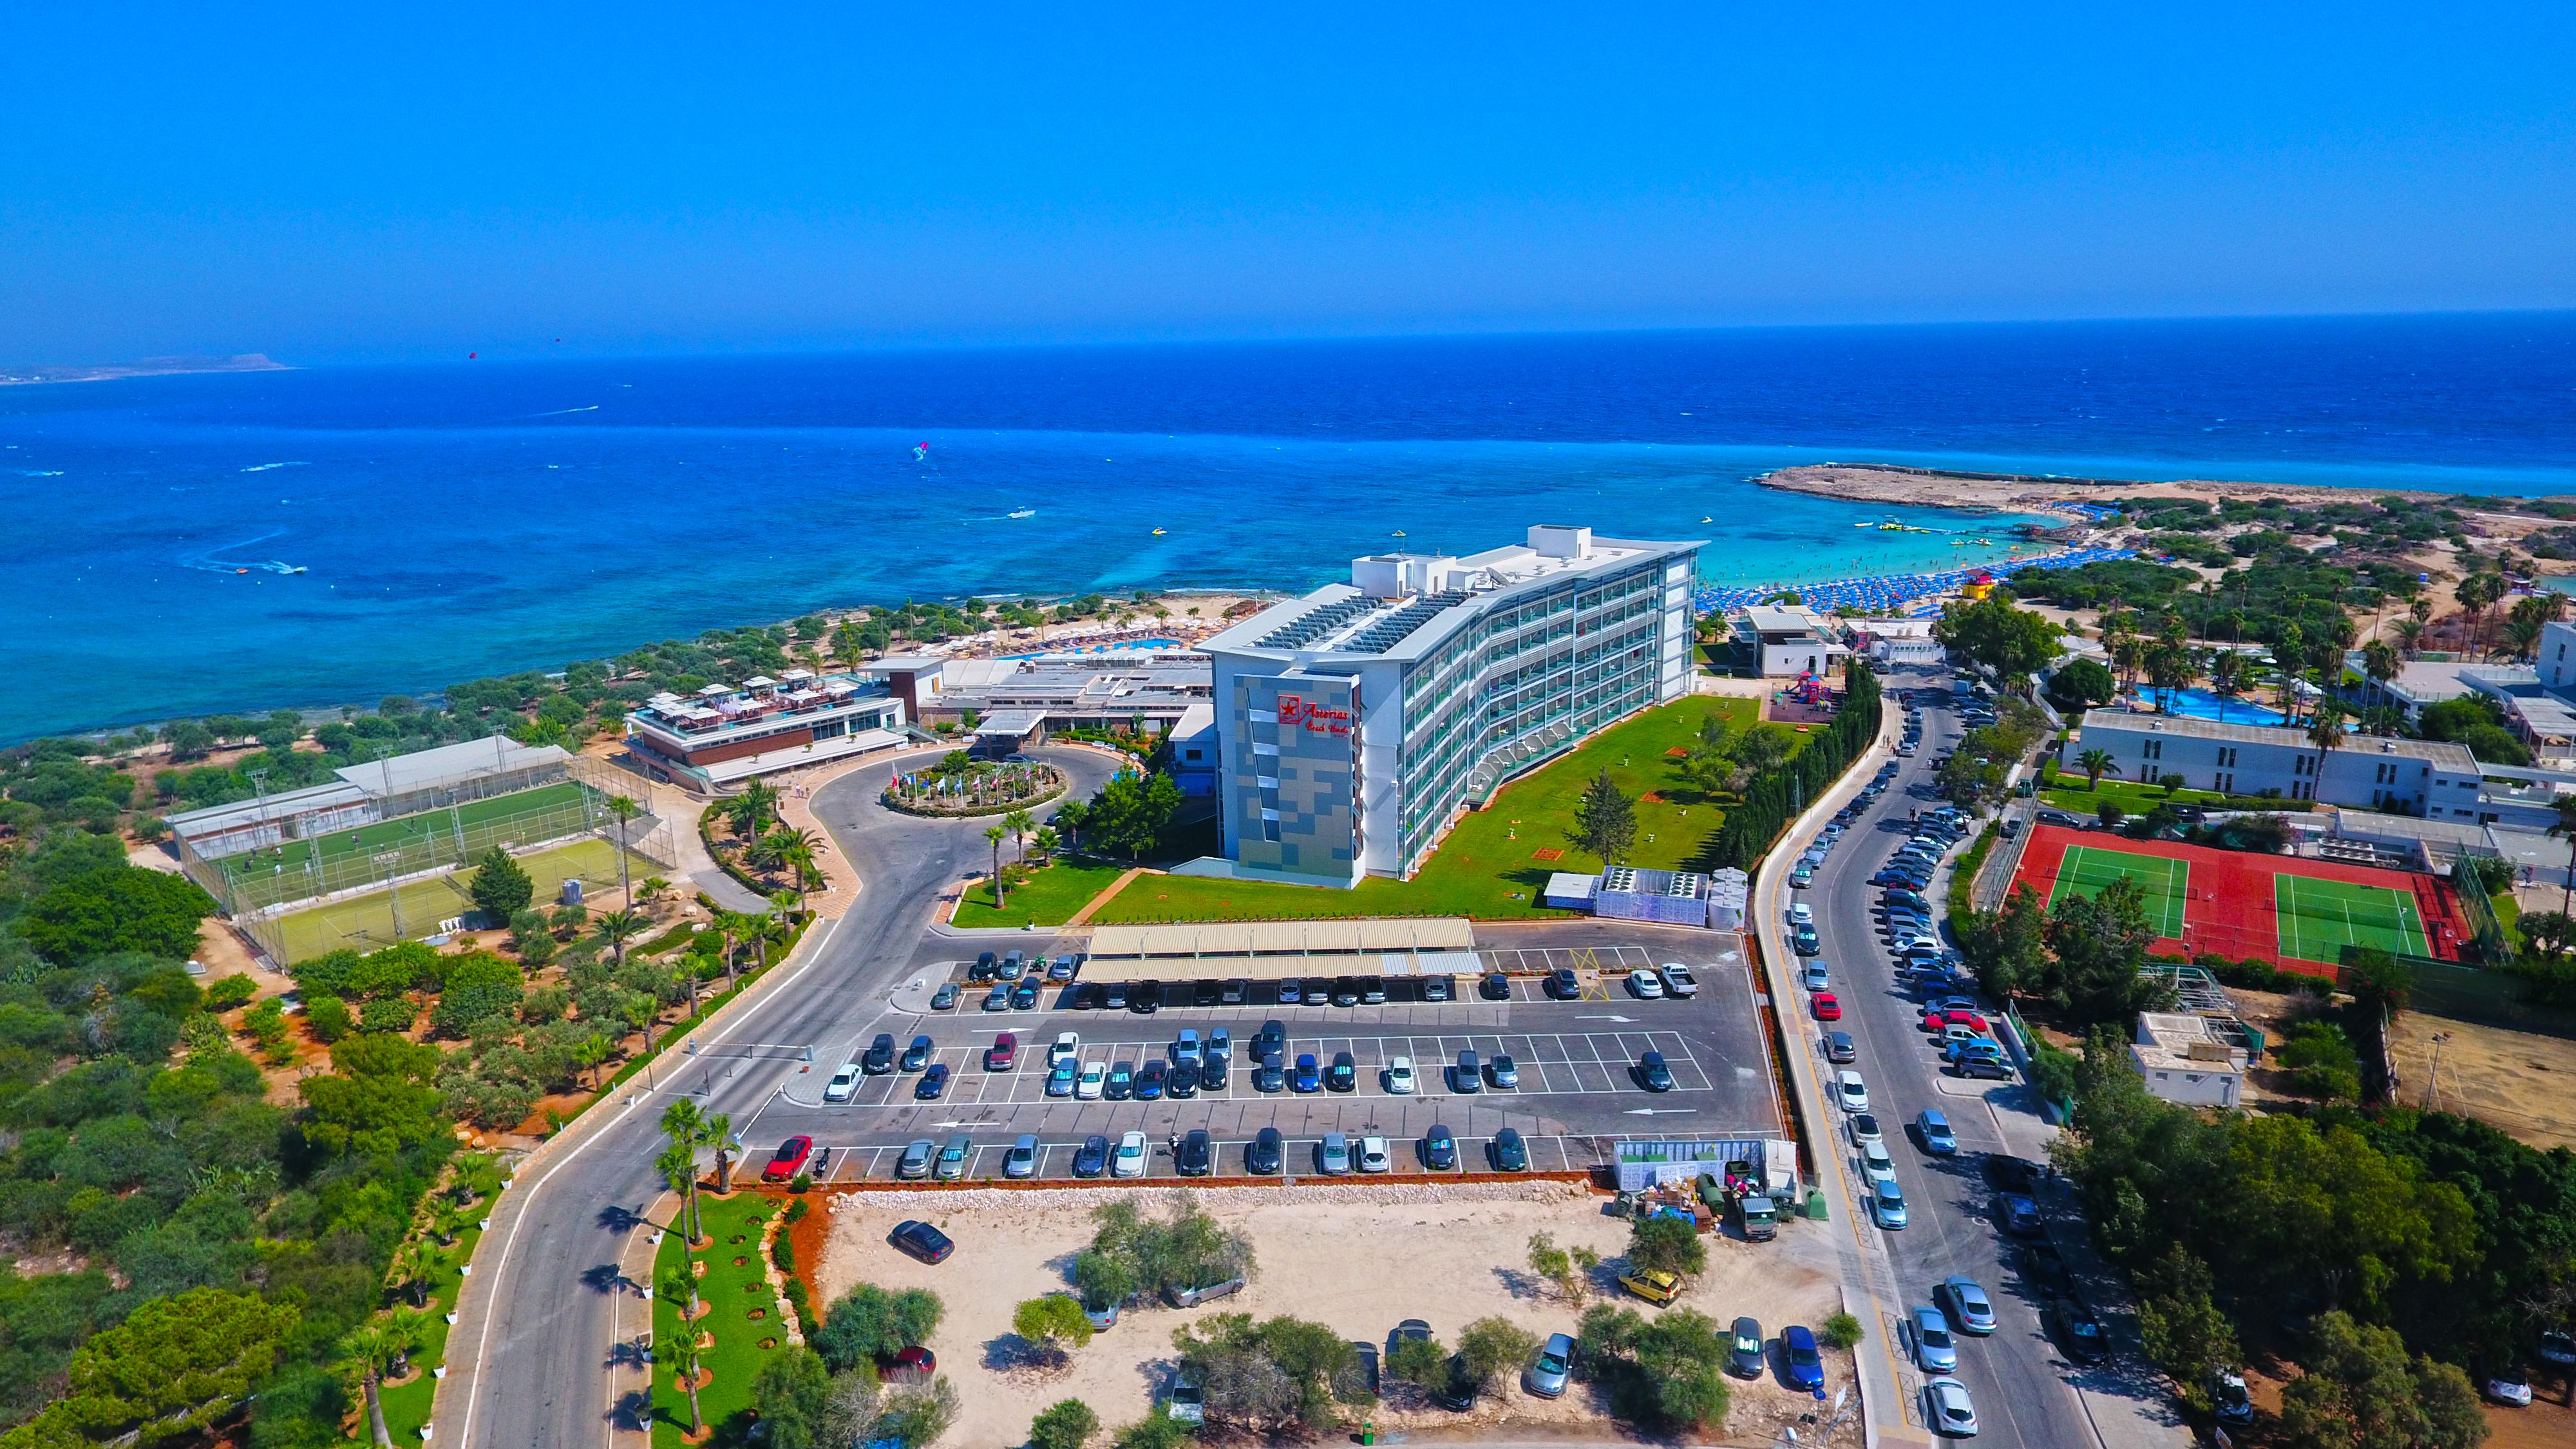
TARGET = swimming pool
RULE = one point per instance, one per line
(1121, 647)
(2201, 704)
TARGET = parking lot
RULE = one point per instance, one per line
(1576, 1061)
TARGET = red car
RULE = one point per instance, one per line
(1003, 1054)
(1828, 1008)
(1934, 1021)
(790, 1159)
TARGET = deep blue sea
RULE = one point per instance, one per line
(479, 517)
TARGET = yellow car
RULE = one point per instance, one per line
(1654, 1285)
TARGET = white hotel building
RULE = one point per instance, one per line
(2431, 778)
(1354, 724)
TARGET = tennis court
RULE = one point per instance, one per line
(2320, 917)
(2166, 883)
(2293, 911)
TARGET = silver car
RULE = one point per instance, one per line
(1948, 1409)
(1333, 1155)
(1969, 1306)
(1554, 1366)
(1928, 1334)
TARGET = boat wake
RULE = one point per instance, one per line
(271, 467)
(208, 562)
(560, 412)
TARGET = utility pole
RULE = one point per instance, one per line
(2433, 1078)
(393, 896)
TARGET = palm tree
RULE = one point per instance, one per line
(686, 1359)
(370, 1351)
(414, 1264)
(2522, 635)
(2325, 731)
(2095, 764)
(2127, 655)
(1069, 817)
(756, 804)
(995, 833)
(625, 809)
(2381, 664)
(2227, 671)
(589, 1052)
(2384, 720)
(2410, 634)
(1044, 842)
(617, 928)
(684, 1123)
(1020, 823)
(2565, 828)
(2476, 593)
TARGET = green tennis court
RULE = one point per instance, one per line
(2086, 869)
(2320, 917)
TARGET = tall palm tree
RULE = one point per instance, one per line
(995, 834)
(2565, 828)
(684, 1124)
(589, 1053)
(414, 1264)
(1020, 823)
(2477, 593)
(369, 1351)
(2227, 671)
(2325, 731)
(2127, 656)
(2384, 720)
(686, 1359)
(2380, 663)
(625, 809)
(617, 928)
(2095, 764)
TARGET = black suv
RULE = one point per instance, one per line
(1197, 1157)
(1263, 1156)
(879, 1059)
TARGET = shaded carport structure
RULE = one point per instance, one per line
(1269, 950)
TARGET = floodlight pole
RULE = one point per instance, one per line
(393, 897)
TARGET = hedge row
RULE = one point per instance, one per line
(1777, 796)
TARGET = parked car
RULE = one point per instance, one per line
(1344, 1075)
(1150, 1079)
(1145, 998)
(1270, 1076)
(1563, 985)
(1828, 1006)
(2019, 1215)
(921, 1240)
(1800, 1362)
(1309, 1077)
(2228, 1399)
(1003, 1054)
(1093, 1082)
(1948, 1409)
(933, 1084)
(1439, 1149)
(982, 970)
(1813, 976)
(1197, 1155)
(844, 1083)
(879, 1057)
(1186, 1403)
(1803, 941)
(1744, 1349)
(916, 1158)
(788, 1160)
(1840, 1048)
(1653, 1284)
(1121, 1084)
(1374, 1156)
(1678, 980)
(945, 998)
(1263, 1155)
(1092, 1158)
(1131, 1158)
(1022, 1158)
(2079, 1330)
(1509, 1152)
(1495, 986)
(1503, 1072)
(1927, 1335)
(1645, 985)
(1968, 1305)
(1851, 1091)
(1864, 1131)
(1333, 1155)
(999, 998)
(2508, 1384)
(1887, 1203)
(1399, 1077)
(953, 1157)
(1435, 988)
(1652, 1074)
(1292, 992)
(1553, 1368)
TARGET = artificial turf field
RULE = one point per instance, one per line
(344, 858)
(366, 922)
(2285, 909)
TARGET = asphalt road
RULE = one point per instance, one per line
(2017, 1377)
(541, 1345)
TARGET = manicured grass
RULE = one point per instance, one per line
(2508, 914)
(366, 923)
(407, 1405)
(733, 1292)
(1489, 867)
(2135, 799)
(1048, 898)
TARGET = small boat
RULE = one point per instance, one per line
(1399, 533)
(1158, 533)
(1705, 519)
(1021, 513)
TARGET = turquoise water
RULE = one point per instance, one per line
(2201, 704)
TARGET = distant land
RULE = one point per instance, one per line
(148, 367)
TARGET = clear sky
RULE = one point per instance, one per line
(340, 182)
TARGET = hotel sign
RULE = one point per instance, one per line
(1318, 719)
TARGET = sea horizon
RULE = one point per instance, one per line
(456, 520)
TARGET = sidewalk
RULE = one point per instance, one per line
(701, 868)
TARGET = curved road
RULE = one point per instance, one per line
(537, 1336)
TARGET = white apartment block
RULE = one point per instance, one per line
(2431, 778)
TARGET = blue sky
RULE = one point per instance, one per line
(346, 183)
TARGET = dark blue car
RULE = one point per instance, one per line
(933, 1084)
(1310, 1075)
(1804, 1366)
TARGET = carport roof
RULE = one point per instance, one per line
(1283, 938)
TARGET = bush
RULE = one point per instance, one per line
(387, 1014)
(870, 1323)
(1669, 1372)
(1423, 1361)
(1064, 1424)
(795, 1294)
(1186, 1249)
(231, 991)
(920, 1413)
(796, 1211)
(501, 889)
(327, 1018)
(1050, 1321)
(1493, 1348)
(1840, 1331)
(1279, 1377)
(782, 1251)
(1671, 1244)
(2321, 1062)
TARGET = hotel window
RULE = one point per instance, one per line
(2152, 750)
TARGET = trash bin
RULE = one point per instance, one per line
(1368, 1433)
(572, 890)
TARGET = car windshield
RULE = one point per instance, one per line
(1550, 1363)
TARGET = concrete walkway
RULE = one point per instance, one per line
(701, 868)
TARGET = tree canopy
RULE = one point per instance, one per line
(2014, 643)
(118, 908)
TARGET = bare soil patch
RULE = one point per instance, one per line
(2522, 1083)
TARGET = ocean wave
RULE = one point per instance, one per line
(39, 472)
(265, 467)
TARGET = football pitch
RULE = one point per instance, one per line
(369, 922)
(2165, 883)
(2321, 917)
(348, 859)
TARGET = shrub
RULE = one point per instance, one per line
(231, 991)
(1065, 1424)
(388, 1014)
(1668, 1372)
(1050, 1321)
(782, 1251)
(802, 1182)
(869, 1323)
(501, 889)
(1671, 1244)
(1423, 1361)
(1495, 1347)
(796, 1210)
(1840, 1331)
(2321, 1062)
(327, 1018)
(920, 1413)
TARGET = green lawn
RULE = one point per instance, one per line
(1489, 867)
(1050, 897)
(734, 1291)
(2135, 799)
(407, 1405)
(366, 923)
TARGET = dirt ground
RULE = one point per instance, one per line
(1462, 1257)
(2522, 1083)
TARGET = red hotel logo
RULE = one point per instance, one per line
(1294, 709)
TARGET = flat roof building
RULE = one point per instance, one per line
(1791, 641)
(1146, 691)
(1354, 724)
(2432, 778)
(2188, 1060)
(726, 733)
